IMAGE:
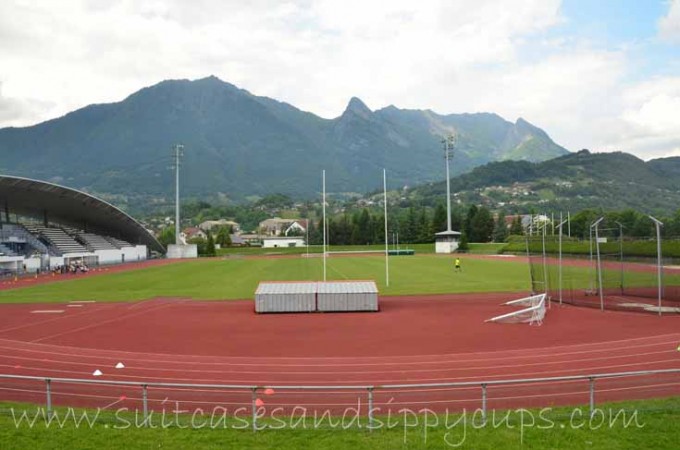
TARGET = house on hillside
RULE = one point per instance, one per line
(282, 227)
(208, 225)
(192, 233)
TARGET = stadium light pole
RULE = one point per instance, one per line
(596, 225)
(179, 152)
(448, 143)
(387, 241)
(659, 265)
(323, 178)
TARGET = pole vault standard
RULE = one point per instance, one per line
(387, 253)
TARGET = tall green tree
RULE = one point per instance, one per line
(517, 229)
(410, 228)
(467, 222)
(463, 245)
(439, 220)
(210, 245)
(167, 236)
(482, 226)
(424, 230)
(500, 231)
(223, 237)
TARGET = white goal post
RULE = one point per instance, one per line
(533, 314)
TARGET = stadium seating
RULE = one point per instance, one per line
(58, 239)
(117, 242)
(18, 233)
(94, 242)
(6, 251)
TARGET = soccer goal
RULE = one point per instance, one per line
(533, 313)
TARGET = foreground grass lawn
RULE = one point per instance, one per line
(237, 278)
(649, 424)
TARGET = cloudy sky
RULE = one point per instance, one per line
(597, 74)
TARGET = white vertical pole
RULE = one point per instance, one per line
(387, 253)
(659, 265)
(599, 262)
(560, 229)
(592, 263)
(568, 224)
(552, 223)
(324, 223)
(178, 150)
(620, 255)
(447, 141)
(546, 286)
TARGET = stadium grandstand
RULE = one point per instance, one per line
(44, 226)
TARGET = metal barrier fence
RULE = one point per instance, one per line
(368, 390)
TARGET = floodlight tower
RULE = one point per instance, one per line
(178, 152)
(448, 143)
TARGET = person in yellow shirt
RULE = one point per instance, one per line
(456, 265)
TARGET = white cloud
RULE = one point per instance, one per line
(463, 56)
(669, 25)
(650, 115)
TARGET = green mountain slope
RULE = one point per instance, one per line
(238, 144)
(574, 181)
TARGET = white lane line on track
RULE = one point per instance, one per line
(98, 324)
(343, 380)
(101, 308)
(132, 356)
(533, 351)
(70, 316)
(48, 311)
(353, 372)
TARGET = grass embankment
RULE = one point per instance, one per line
(640, 424)
(643, 249)
(237, 278)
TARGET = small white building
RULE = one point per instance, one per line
(278, 226)
(447, 241)
(282, 241)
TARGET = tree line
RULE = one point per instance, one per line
(410, 225)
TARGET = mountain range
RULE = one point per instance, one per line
(238, 144)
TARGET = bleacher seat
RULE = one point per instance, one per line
(58, 239)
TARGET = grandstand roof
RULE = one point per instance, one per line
(67, 206)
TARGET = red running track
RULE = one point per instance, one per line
(411, 340)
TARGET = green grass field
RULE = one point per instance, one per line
(237, 278)
(482, 249)
(653, 426)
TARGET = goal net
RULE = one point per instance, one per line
(532, 313)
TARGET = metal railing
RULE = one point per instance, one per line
(369, 389)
